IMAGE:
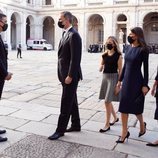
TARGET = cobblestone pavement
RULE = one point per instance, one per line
(39, 147)
(31, 103)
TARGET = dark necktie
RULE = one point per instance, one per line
(63, 34)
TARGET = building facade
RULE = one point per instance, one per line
(94, 19)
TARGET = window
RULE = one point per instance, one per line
(100, 36)
(121, 1)
(35, 42)
(48, 2)
(148, 0)
(28, 1)
(154, 28)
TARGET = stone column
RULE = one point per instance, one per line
(38, 3)
(133, 2)
(82, 4)
(32, 30)
(24, 3)
(131, 21)
(57, 34)
(81, 30)
(23, 33)
(57, 3)
(8, 33)
(43, 2)
(86, 29)
(107, 25)
(140, 24)
(38, 31)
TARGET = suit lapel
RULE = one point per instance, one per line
(1, 41)
(62, 41)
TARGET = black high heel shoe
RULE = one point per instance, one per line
(151, 144)
(114, 122)
(141, 134)
(104, 130)
(122, 141)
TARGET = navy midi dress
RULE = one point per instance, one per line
(132, 98)
(156, 95)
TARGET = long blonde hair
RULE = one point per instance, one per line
(116, 44)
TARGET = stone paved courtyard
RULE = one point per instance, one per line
(31, 103)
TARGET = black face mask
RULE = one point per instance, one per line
(4, 27)
(60, 24)
(109, 46)
(130, 39)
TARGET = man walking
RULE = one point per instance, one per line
(4, 74)
(19, 50)
(69, 74)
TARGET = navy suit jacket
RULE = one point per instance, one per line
(69, 56)
(156, 78)
(3, 61)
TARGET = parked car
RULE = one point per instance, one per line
(38, 44)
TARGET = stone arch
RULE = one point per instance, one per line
(29, 27)
(150, 27)
(15, 29)
(121, 31)
(49, 30)
(95, 31)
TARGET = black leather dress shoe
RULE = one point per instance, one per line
(3, 139)
(55, 136)
(152, 144)
(2, 131)
(71, 129)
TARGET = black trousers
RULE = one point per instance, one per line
(156, 110)
(69, 107)
(19, 53)
(1, 87)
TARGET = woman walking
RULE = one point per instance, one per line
(135, 84)
(111, 65)
(154, 92)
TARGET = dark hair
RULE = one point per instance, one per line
(138, 31)
(2, 15)
(67, 15)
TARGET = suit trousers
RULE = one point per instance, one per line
(1, 87)
(156, 110)
(19, 53)
(69, 107)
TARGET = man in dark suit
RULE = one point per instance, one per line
(19, 50)
(69, 74)
(4, 74)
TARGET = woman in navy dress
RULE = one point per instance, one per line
(134, 83)
(154, 92)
